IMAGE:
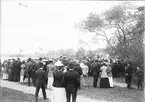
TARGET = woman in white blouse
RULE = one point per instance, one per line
(84, 79)
(104, 82)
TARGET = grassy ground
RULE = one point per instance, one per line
(116, 94)
(122, 80)
(10, 95)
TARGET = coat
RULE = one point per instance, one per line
(128, 71)
(95, 69)
(78, 69)
(40, 79)
(139, 74)
(114, 69)
(58, 78)
(16, 71)
(71, 81)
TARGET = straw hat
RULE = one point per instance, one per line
(59, 64)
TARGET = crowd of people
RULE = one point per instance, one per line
(65, 76)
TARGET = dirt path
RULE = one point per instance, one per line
(31, 90)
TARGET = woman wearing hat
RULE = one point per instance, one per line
(58, 91)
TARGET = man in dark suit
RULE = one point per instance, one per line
(17, 69)
(128, 75)
(71, 83)
(40, 82)
(29, 67)
(95, 71)
(78, 69)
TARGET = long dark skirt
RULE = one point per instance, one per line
(104, 83)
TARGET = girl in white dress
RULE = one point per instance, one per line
(109, 72)
(84, 78)
(23, 67)
(51, 67)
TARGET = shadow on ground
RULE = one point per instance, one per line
(10, 95)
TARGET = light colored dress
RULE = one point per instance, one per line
(104, 72)
(58, 92)
(23, 66)
(109, 70)
(51, 68)
(5, 70)
(84, 78)
(58, 95)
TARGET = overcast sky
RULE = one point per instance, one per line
(46, 24)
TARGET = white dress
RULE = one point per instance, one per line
(58, 94)
(50, 76)
(111, 81)
(4, 71)
(50, 82)
(110, 76)
(84, 78)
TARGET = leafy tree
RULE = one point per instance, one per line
(119, 19)
(90, 55)
(122, 27)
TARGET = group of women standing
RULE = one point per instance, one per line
(11, 70)
(102, 70)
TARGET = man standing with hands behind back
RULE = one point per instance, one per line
(40, 82)
(71, 83)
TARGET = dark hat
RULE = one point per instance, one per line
(40, 64)
(71, 65)
(29, 59)
(40, 59)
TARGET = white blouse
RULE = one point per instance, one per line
(104, 72)
(85, 68)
